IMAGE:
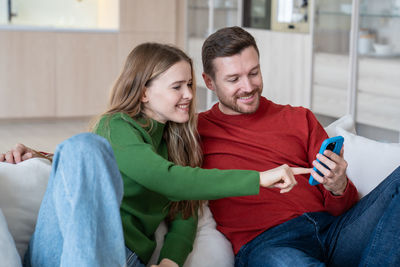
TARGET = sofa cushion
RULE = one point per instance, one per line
(369, 161)
(22, 187)
(8, 253)
(346, 122)
(210, 248)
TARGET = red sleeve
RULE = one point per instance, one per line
(316, 136)
(335, 205)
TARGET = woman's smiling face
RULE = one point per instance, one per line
(169, 96)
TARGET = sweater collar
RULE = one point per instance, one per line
(156, 132)
(152, 127)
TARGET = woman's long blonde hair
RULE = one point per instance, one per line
(144, 64)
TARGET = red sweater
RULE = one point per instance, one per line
(272, 136)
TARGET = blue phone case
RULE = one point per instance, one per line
(337, 143)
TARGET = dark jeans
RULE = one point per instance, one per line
(366, 235)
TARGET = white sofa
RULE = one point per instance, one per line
(22, 187)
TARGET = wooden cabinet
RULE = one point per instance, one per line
(86, 66)
(50, 72)
(148, 15)
(27, 74)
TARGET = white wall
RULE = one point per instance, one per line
(3, 11)
(108, 14)
(285, 60)
(63, 13)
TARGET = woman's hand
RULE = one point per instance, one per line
(166, 263)
(282, 177)
(17, 154)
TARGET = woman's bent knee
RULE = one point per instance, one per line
(85, 142)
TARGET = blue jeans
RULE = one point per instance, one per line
(132, 260)
(79, 223)
(366, 235)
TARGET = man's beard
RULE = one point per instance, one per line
(232, 102)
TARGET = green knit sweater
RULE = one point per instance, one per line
(151, 182)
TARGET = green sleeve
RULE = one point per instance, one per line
(178, 242)
(138, 161)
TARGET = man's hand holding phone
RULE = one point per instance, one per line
(334, 178)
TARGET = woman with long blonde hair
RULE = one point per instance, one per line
(149, 172)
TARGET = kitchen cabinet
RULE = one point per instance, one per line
(56, 74)
(27, 74)
(356, 61)
(52, 71)
(85, 76)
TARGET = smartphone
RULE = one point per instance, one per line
(333, 144)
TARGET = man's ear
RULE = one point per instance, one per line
(208, 81)
(144, 97)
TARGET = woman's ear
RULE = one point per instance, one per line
(145, 98)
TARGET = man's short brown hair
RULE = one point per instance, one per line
(225, 42)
